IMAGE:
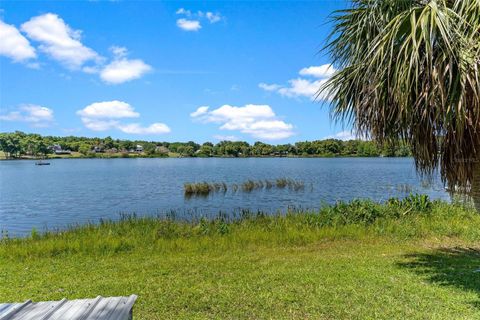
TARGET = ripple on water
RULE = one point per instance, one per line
(77, 191)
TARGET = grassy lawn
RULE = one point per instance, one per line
(376, 262)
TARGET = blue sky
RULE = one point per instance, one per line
(166, 71)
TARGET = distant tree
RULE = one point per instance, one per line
(10, 144)
(305, 148)
(108, 143)
(262, 149)
(350, 148)
(149, 148)
(127, 145)
(18, 143)
(85, 148)
(206, 149)
(186, 150)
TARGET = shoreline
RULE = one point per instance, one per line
(183, 157)
(324, 260)
(328, 215)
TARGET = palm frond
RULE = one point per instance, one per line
(409, 70)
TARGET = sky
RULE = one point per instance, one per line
(167, 71)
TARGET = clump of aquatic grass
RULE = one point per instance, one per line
(198, 189)
(205, 188)
(251, 185)
(290, 183)
(281, 183)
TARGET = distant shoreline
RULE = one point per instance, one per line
(18, 145)
(103, 156)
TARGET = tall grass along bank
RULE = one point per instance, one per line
(406, 258)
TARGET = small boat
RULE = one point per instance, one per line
(42, 163)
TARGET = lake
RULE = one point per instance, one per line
(72, 191)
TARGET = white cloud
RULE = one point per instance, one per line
(199, 111)
(63, 44)
(14, 45)
(213, 17)
(225, 138)
(106, 115)
(258, 121)
(188, 25)
(301, 88)
(135, 128)
(324, 71)
(36, 115)
(12, 116)
(188, 13)
(193, 21)
(59, 41)
(123, 70)
(269, 87)
(108, 109)
(234, 117)
(270, 129)
(98, 124)
(304, 87)
(120, 69)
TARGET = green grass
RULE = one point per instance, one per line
(410, 259)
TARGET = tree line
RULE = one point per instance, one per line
(18, 144)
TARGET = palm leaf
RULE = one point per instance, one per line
(409, 70)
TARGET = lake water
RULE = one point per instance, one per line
(72, 191)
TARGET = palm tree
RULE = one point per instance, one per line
(409, 71)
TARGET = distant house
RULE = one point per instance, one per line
(57, 149)
(63, 152)
(98, 149)
(139, 148)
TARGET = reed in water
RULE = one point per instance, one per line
(206, 188)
